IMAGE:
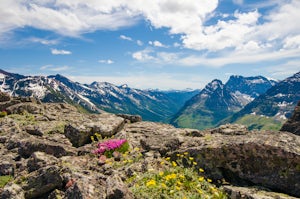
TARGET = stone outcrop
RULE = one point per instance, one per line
(253, 193)
(270, 159)
(49, 154)
(293, 124)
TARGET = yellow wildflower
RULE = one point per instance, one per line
(181, 176)
(201, 179)
(191, 158)
(209, 180)
(194, 163)
(164, 185)
(167, 158)
(161, 173)
(151, 183)
(185, 153)
(199, 191)
(201, 170)
(174, 164)
(170, 176)
(177, 188)
(162, 162)
(177, 154)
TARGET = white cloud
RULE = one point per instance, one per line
(238, 2)
(143, 55)
(60, 52)
(125, 38)
(157, 44)
(139, 42)
(43, 41)
(284, 70)
(55, 68)
(145, 81)
(250, 35)
(108, 61)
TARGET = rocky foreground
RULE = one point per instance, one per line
(47, 151)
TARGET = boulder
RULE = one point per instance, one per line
(269, 159)
(231, 129)
(131, 118)
(7, 167)
(28, 146)
(12, 191)
(116, 189)
(105, 124)
(78, 136)
(253, 193)
(28, 107)
(42, 181)
(39, 160)
(34, 130)
(293, 123)
(4, 97)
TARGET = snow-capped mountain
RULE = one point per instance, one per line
(150, 104)
(218, 101)
(277, 103)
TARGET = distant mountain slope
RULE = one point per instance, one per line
(152, 105)
(218, 101)
(277, 103)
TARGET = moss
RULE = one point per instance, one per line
(4, 180)
(58, 128)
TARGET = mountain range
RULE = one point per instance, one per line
(270, 109)
(258, 102)
(153, 105)
(218, 101)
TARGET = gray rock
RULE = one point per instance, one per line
(293, 123)
(78, 136)
(105, 124)
(131, 118)
(253, 193)
(31, 145)
(231, 129)
(4, 97)
(42, 181)
(7, 167)
(39, 160)
(12, 191)
(34, 130)
(116, 189)
(28, 107)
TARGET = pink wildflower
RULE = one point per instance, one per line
(109, 145)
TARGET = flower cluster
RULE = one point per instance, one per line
(107, 147)
(173, 180)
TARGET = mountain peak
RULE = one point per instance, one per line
(123, 86)
(214, 85)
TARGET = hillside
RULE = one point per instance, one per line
(218, 101)
(50, 150)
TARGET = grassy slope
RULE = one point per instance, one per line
(260, 122)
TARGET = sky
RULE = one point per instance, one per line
(158, 44)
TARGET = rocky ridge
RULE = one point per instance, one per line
(293, 124)
(46, 148)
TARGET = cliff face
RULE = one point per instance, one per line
(293, 124)
(46, 151)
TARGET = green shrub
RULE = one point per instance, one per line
(4, 180)
(3, 113)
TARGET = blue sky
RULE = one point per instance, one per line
(165, 44)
